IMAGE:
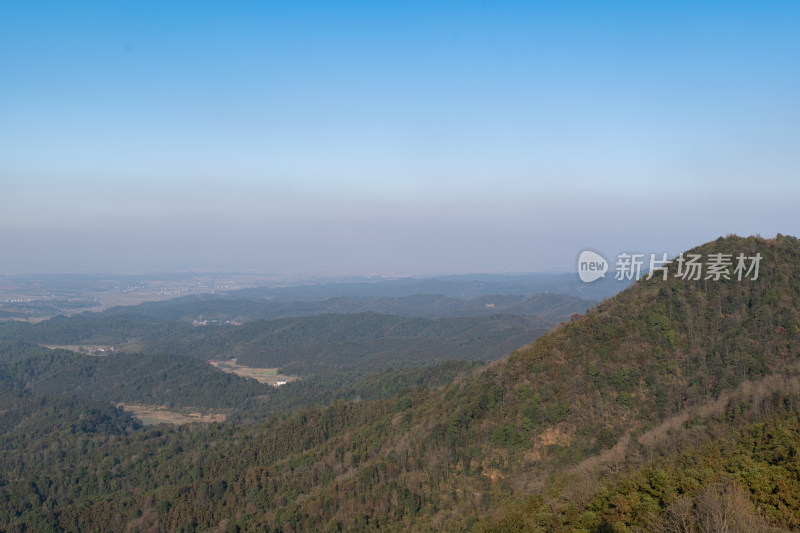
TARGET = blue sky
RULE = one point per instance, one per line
(394, 138)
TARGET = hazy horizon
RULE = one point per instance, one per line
(307, 273)
(406, 139)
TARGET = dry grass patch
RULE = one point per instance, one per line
(154, 414)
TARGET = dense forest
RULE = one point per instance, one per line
(319, 344)
(158, 379)
(669, 407)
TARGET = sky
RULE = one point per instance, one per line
(393, 138)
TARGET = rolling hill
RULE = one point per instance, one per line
(358, 343)
(550, 307)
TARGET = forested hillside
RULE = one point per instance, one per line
(361, 342)
(671, 401)
(157, 379)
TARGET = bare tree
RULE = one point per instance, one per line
(679, 517)
(721, 507)
(725, 508)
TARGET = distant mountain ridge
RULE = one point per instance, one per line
(550, 307)
(462, 286)
(38, 297)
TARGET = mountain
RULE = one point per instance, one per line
(462, 286)
(675, 396)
